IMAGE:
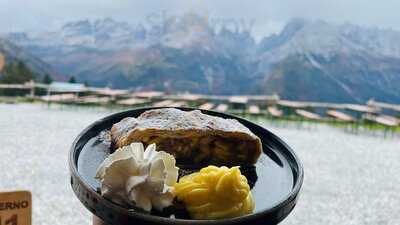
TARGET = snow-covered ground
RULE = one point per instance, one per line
(349, 179)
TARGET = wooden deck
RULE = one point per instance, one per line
(148, 94)
(93, 99)
(308, 115)
(59, 98)
(131, 101)
(163, 103)
(178, 104)
(222, 108)
(206, 106)
(252, 104)
(272, 110)
(340, 116)
(254, 109)
(186, 97)
(383, 120)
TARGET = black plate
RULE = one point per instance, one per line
(278, 177)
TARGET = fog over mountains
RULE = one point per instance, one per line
(307, 60)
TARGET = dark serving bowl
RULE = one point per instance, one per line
(277, 178)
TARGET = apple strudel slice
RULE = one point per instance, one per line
(191, 136)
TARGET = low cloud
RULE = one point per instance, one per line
(264, 17)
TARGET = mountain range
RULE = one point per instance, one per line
(307, 60)
(11, 53)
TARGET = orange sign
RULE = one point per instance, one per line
(15, 208)
(1, 62)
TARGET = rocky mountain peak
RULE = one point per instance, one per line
(301, 36)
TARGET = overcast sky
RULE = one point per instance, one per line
(264, 16)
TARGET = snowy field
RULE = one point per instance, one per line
(349, 179)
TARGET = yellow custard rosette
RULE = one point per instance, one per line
(215, 193)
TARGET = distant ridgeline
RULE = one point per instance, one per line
(306, 61)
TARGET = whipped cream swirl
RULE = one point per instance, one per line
(137, 177)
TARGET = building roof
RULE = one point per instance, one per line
(384, 105)
(148, 94)
(291, 104)
(301, 104)
(110, 92)
(66, 87)
(361, 108)
(238, 99)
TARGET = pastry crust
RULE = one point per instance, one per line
(191, 136)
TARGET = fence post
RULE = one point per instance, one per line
(32, 86)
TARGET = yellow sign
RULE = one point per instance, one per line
(15, 208)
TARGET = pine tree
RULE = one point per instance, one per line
(16, 73)
(72, 80)
(47, 79)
